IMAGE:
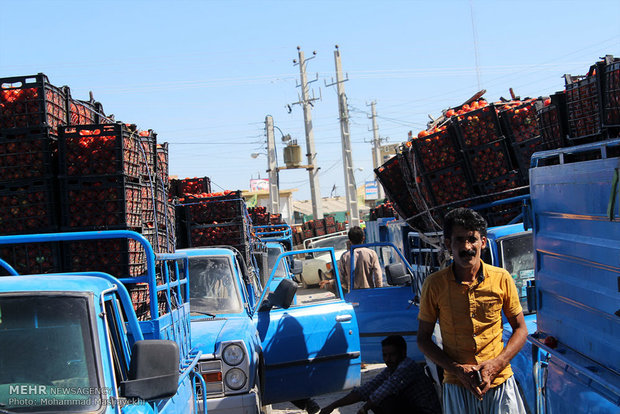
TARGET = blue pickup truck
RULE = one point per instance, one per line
(72, 342)
(263, 346)
(572, 360)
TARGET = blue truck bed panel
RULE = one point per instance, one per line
(578, 256)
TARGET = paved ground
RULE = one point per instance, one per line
(369, 372)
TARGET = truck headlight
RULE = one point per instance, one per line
(233, 354)
(235, 379)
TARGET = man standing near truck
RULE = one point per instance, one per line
(368, 272)
(467, 298)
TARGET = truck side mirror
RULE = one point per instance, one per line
(282, 297)
(297, 267)
(153, 370)
(397, 275)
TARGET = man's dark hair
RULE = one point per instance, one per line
(395, 341)
(467, 218)
(356, 235)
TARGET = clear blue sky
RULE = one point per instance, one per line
(204, 74)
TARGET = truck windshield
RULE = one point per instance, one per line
(272, 255)
(338, 243)
(212, 287)
(47, 361)
(517, 253)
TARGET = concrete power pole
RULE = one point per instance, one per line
(315, 188)
(347, 158)
(274, 190)
(376, 147)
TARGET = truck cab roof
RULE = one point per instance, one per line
(54, 283)
(502, 231)
(200, 251)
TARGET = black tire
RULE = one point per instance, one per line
(263, 409)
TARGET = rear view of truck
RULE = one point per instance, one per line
(575, 196)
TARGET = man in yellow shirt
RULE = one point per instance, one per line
(468, 298)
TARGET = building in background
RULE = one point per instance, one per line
(262, 199)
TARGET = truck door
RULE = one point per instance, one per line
(387, 310)
(309, 349)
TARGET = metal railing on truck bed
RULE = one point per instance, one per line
(167, 315)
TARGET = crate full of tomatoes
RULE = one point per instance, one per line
(501, 188)
(436, 149)
(520, 121)
(166, 220)
(32, 101)
(118, 257)
(154, 203)
(553, 121)
(105, 202)
(232, 234)
(477, 124)
(86, 150)
(383, 211)
(407, 191)
(449, 185)
(583, 107)
(185, 186)
(139, 294)
(32, 258)
(162, 240)
(147, 149)
(259, 215)
(523, 153)
(611, 91)
(214, 207)
(391, 177)
(488, 161)
(162, 163)
(27, 153)
(84, 112)
(28, 206)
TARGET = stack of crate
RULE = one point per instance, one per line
(216, 219)
(593, 102)
(553, 121)
(32, 112)
(158, 217)
(100, 173)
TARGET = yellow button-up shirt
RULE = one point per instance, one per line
(470, 315)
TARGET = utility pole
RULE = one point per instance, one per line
(272, 160)
(376, 147)
(305, 102)
(347, 158)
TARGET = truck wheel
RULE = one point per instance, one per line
(262, 409)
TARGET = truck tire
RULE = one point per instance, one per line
(262, 409)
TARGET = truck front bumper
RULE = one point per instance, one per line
(234, 404)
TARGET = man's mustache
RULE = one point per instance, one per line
(467, 253)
